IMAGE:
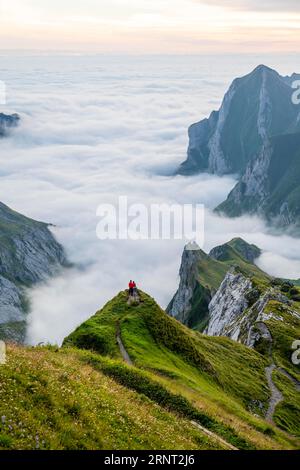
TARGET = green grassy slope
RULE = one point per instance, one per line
(221, 379)
(53, 399)
(287, 413)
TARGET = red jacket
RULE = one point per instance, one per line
(131, 285)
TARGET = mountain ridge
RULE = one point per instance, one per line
(177, 384)
(252, 135)
(29, 254)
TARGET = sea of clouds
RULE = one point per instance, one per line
(95, 128)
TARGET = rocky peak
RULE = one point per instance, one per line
(228, 305)
(248, 251)
(244, 137)
(29, 254)
(180, 305)
(7, 122)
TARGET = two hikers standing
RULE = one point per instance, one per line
(132, 288)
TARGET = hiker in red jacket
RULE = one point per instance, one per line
(134, 289)
(131, 286)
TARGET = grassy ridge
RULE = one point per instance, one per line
(221, 380)
(142, 383)
(51, 398)
(287, 413)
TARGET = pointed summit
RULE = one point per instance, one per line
(256, 107)
(264, 68)
(120, 330)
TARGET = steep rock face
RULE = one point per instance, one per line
(271, 184)
(7, 122)
(228, 305)
(242, 313)
(11, 302)
(201, 276)
(28, 254)
(181, 305)
(255, 108)
(255, 135)
(253, 328)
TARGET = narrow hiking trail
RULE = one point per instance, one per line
(214, 436)
(123, 351)
(132, 300)
(276, 395)
(211, 434)
(128, 361)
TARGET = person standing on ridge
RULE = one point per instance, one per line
(134, 289)
(131, 286)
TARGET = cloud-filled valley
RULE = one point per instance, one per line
(86, 138)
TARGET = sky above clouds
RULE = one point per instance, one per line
(156, 26)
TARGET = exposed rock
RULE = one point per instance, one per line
(232, 314)
(228, 305)
(255, 135)
(201, 276)
(256, 107)
(270, 185)
(29, 254)
(180, 306)
(7, 122)
(10, 303)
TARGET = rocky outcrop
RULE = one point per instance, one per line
(238, 314)
(256, 107)
(29, 254)
(201, 276)
(271, 184)
(253, 135)
(181, 304)
(227, 306)
(8, 122)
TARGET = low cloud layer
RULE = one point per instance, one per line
(90, 134)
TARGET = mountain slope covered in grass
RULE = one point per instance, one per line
(183, 390)
(224, 382)
(249, 307)
(54, 399)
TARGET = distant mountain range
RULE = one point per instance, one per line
(256, 135)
